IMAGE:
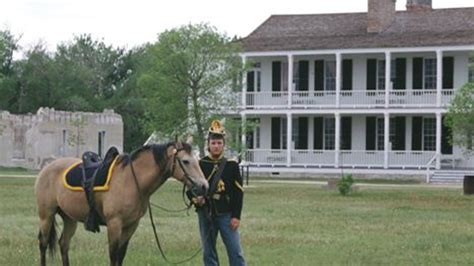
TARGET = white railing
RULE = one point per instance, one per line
(314, 99)
(313, 157)
(402, 98)
(362, 98)
(356, 158)
(447, 96)
(349, 99)
(430, 165)
(266, 99)
(347, 158)
(272, 157)
(410, 158)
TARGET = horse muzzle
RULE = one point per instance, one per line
(199, 189)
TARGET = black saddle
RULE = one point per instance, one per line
(100, 168)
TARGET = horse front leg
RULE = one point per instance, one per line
(114, 234)
(126, 235)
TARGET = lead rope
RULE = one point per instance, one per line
(159, 244)
(154, 227)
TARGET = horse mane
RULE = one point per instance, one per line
(159, 153)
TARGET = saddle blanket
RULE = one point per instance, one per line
(72, 177)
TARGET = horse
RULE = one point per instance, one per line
(134, 179)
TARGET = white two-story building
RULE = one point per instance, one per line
(361, 91)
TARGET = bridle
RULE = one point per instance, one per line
(194, 188)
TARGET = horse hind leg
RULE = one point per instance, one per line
(47, 235)
(69, 228)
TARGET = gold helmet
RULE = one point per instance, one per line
(216, 130)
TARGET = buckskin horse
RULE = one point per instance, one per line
(133, 180)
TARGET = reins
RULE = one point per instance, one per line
(188, 206)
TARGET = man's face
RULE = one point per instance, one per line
(216, 147)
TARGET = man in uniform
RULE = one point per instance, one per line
(220, 211)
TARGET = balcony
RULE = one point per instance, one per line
(362, 99)
(347, 158)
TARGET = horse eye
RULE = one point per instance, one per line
(186, 161)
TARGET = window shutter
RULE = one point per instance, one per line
(370, 133)
(371, 74)
(302, 133)
(416, 133)
(319, 75)
(318, 133)
(448, 72)
(417, 73)
(400, 74)
(250, 81)
(303, 67)
(446, 138)
(346, 133)
(347, 74)
(399, 141)
(276, 133)
(276, 76)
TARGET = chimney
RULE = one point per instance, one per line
(381, 14)
(419, 5)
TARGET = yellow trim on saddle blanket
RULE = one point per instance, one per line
(105, 187)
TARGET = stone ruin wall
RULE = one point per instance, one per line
(33, 140)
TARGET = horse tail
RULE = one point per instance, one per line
(52, 238)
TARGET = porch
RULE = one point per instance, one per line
(363, 99)
(345, 158)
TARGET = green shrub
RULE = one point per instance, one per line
(345, 184)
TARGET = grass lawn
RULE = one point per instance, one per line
(282, 224)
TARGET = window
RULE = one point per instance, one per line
(330, 75)
(257, 137)
(429, 134)
(380, 127)
(430, 74)
(471, 68)
(296, 76)
(64, 142)
(283, 133)
(101, 144)
(329, 133)
(258, 76)
(284, 76)
(381, 73)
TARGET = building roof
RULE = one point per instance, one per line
(437, 27)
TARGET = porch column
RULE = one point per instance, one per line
(338, 77)
(439, 76)
(289, 134)
(337, 141)
(290, 80)
(388, 85)
(243, 137)
(244, 83)
(438, 140)
(386, 139)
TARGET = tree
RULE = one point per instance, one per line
(89, 72)
(8, 77)
(77, 136)
(189, 80)
(460, 117)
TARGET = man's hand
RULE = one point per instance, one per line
(199, 201)
(234, 224)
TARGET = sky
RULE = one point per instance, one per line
(128, 23)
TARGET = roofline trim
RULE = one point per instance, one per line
(359, 50)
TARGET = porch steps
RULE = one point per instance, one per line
(449, 176)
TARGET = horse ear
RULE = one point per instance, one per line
(171, 151)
